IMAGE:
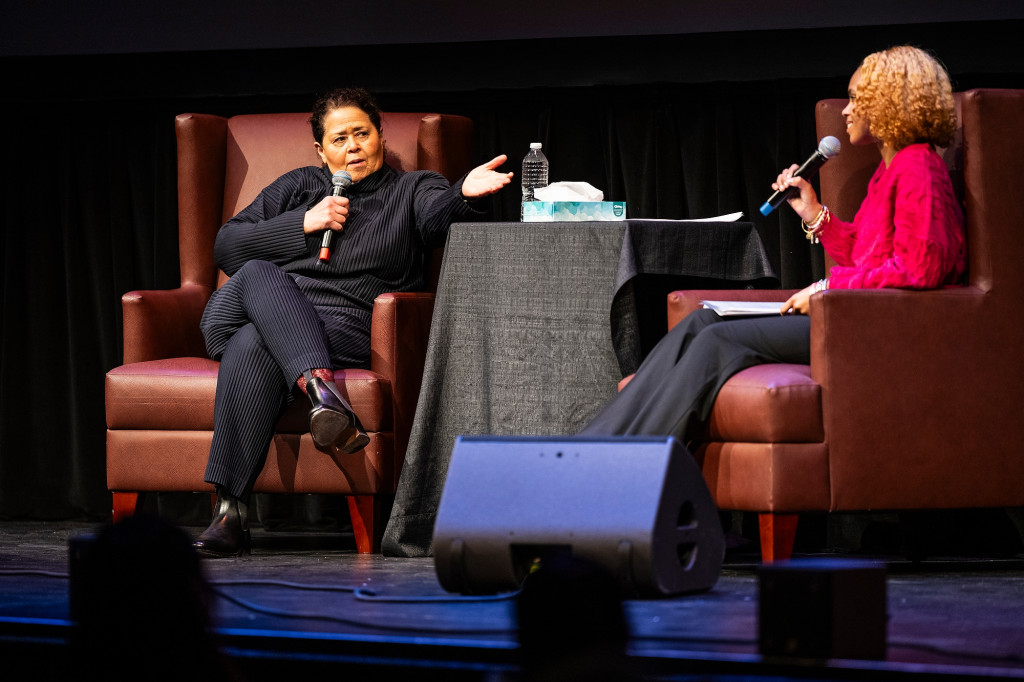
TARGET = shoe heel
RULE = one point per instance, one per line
(246, 548)
(353, 440)
(327, 426)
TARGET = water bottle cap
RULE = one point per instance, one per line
(535, 145)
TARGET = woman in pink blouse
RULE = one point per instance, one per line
(908, 233)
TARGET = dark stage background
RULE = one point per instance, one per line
(680, 109)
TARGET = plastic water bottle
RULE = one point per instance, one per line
(535, 171)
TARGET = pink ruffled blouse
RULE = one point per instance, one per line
(908, 233)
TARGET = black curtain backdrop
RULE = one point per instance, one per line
(676, 126)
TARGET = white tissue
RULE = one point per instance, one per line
(568, 191)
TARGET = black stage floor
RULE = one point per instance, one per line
(307, 603)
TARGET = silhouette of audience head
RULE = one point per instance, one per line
(142, 605)
(572, 624)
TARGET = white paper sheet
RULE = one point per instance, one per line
(727, 218)
(725, 308)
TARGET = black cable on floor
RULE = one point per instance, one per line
(368, 594)
(358, 623)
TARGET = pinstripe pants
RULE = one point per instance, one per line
(266, 333)
(674, 389)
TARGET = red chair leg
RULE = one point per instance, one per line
(778, 531)
(365, 511)
(124, 505)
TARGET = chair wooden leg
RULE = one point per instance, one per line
(365, 511)
(778, 531)
(124, 505)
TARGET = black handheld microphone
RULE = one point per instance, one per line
(341, 181)
(827, 148)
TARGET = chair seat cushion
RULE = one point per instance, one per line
(773, 403)
(177, 394)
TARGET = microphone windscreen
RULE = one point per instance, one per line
(828, 147)
(344, 178)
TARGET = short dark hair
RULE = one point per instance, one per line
(343, 97)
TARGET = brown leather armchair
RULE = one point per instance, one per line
(912, 398)
(159, 403)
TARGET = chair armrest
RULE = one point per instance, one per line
(399, 332)
(920, 379)
(163, 323)
(682, 303)
(861, 335)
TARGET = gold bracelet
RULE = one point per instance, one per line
(812, 229)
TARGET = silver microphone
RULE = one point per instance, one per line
(341, 180)
(827, 148)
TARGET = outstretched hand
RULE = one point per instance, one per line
(485, 179)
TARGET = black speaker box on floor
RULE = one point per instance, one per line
(637, 506)
(823, 608)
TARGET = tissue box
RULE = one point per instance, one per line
(572, 211)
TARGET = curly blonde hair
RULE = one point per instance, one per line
(907, 97)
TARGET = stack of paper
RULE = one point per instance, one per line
(745, 307)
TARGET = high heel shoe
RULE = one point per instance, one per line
(228, 533)
(331, 420)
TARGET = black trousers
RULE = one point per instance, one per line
(266, 333)
(674, 389)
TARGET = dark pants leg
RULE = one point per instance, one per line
(675, 387)
(266, 333)
(263, 295)
(251, 394)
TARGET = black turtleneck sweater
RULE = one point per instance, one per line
(394, 220)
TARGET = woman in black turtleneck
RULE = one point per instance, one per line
(285, 318)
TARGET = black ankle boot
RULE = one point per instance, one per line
(228, 533)
(331, 420)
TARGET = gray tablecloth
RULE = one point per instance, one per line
(533, 327)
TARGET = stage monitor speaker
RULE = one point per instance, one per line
(638, 506)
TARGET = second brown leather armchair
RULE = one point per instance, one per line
(910, 400)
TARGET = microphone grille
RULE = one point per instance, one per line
(344, 178)
(828, 147)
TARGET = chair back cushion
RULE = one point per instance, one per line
(223, 163)
(263, 147)
(259, 148)
(994, 192)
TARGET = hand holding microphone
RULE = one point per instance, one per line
(827, 148)
(341, 181)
